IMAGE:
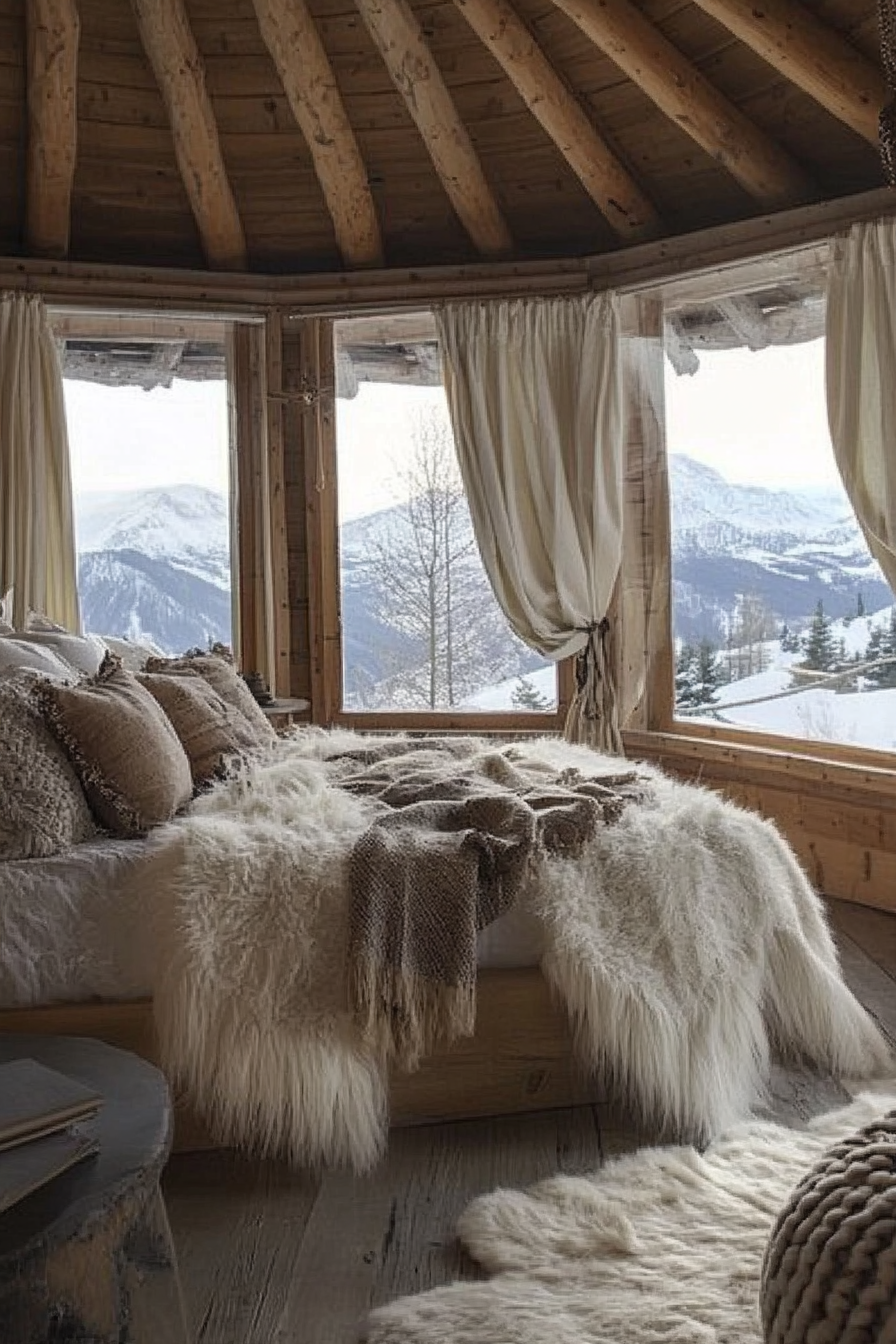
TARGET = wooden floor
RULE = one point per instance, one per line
(273, 1257)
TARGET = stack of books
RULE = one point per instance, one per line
(39, 1113)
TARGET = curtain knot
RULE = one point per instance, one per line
(593, 715)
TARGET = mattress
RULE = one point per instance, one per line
(72, 929)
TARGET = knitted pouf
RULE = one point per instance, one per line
(829, 1273)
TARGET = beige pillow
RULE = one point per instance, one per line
(209, 729)
(21, 655)
(130, 761)
(43, 809)
(85, 653)
(224, 678)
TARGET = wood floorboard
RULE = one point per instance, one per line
(273, 1257)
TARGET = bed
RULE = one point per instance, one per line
(73, 963)
(346, 931)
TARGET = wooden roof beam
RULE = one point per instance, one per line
(628, 210)
(180, 74)
(811, 55)
(678, 88)
(53, 30)
(291, 37)
(400, 40)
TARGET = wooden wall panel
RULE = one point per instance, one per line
(12, 123)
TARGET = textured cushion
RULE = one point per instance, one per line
(43, 809)
(224, 678)
(209, 729)
(82, 652)
(130, 761)
(829, 1271)
(131, 655)
(21, 655)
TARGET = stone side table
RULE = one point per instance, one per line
(88, 1259)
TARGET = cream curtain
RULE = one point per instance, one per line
(861, 380)
(536, 400)
(37, 545)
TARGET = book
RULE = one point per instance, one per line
(28, 1166)
(36, 1100)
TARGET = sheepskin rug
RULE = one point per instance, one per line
(685, 942)
(661, 1247)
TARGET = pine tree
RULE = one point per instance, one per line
(526, 696)
(818, 646)
(707, 673)
(882, 644)
(686, 678)
(860, 604)
(790, 640)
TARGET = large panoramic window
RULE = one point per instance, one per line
(148, 437)
(421, 629)
(782, 621)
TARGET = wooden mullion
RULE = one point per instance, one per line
(246, 398)
(279, 574)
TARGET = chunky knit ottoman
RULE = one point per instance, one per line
(829, 1274)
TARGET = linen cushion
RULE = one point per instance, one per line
(43, 810)
(127, 754)
(21, 655)
(209, 729)
(85, 653)
(255, 731)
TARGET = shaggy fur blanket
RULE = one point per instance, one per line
(447, 855)
(684, 939)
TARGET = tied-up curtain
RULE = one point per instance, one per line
(37, 542)
(536, 401)
(861, 380)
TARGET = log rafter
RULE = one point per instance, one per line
(811, 55)
(623, 203)
(180, 74)
(291, 37)
(414, 72)
(53, 30)
(648, 58)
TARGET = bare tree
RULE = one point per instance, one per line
(426, 584)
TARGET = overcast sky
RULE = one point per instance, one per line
(754, 417)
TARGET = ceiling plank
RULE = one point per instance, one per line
(670, 80)
(398, 36)
(53, 31)
(291, 37)
(180, 74)
(620, 199)
(811, 55)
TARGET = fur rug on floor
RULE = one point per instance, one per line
(684, 939)
(661, 1247)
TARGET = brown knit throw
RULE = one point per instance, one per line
(446, 856)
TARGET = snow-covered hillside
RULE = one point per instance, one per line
(186, 525)
(702, 501)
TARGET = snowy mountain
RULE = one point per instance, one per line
(155, 564)
(785, 548)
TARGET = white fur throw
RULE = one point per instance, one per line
(684, 940)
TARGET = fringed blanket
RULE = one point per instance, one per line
(459, 831)
(679, 930)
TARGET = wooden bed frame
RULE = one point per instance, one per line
(520, 1059)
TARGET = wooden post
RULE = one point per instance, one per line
(279, 549)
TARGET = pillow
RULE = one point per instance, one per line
(43, 809)
(18, 654)
(130, 761)
(131, 654)
(209, 729)
(82, 652)
(224, 678)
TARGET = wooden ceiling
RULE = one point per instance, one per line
(314, 135)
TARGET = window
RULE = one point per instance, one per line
(148, 438)
(782, 621)
(421, 629)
